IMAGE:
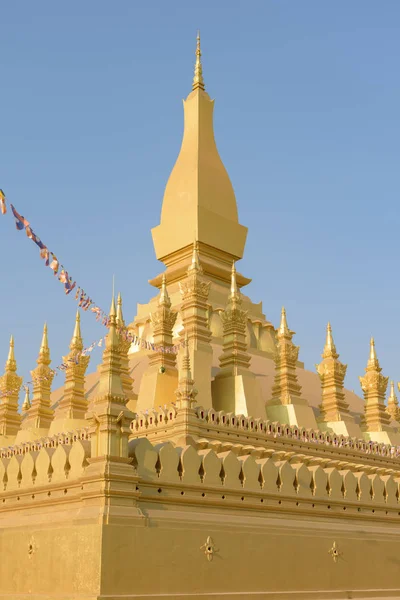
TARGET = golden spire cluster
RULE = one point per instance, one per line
(198, 81)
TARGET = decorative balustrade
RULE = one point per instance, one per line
(204, 473)
(167, 465)
(221, 421)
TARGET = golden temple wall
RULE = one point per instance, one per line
(66, 535)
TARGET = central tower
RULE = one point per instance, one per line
(200, 192)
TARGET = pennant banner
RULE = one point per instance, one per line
(50, 260)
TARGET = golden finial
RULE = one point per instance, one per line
(393, 404)
(186, 358)
(113, 312)
(372, 353)
(27, 403)
(330, 348)
(112, 338)
(44, 352)
(198, 81)
(195, 264)
(234, 287)
(164, 299)
(373, 362)
(45, 342)
(120, 316)
(76, 342)
(11, 364)
(283, 327)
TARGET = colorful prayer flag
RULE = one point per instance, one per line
(3, 206)
(44, 253)
(20, 221)
(54, 264)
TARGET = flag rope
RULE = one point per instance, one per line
(51, 260)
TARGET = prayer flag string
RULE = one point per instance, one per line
(51, 260)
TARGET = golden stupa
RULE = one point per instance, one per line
(223, 470)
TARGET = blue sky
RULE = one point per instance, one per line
(307, 123)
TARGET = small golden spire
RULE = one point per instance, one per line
(186, 393)
(186, 359)
(195, 264)
(393, 403)
(330, 348)
(27, 403)
(44, 352)
(164, 299)
(120, 316)
(234, 287)
(11, 364)
(112, 338)
(373, 362)
(45, 342)
(372, 354)
(113, 312)
(283, 327)
(76, 341)
(198, 81)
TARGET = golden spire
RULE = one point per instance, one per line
(76, 341)
(44, 352)
(198, 81)
(110, 385)
(234, 357)
(286, 389)
(164, 299)
(374, 386)
(11, 364)
(332, 373)
(393, 404)
(200, 191)
(27, 403)
(40, 414)
(373, 362)
(73, 404)
(124, 347)
(234, 287)
(186, 393)
(195, 264)
(284, 330)
(120, 316)
(10, 384)
(330, 348)
(108, 415)
(112, 338)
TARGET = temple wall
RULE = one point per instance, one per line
(52, 544)
(267, 517)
